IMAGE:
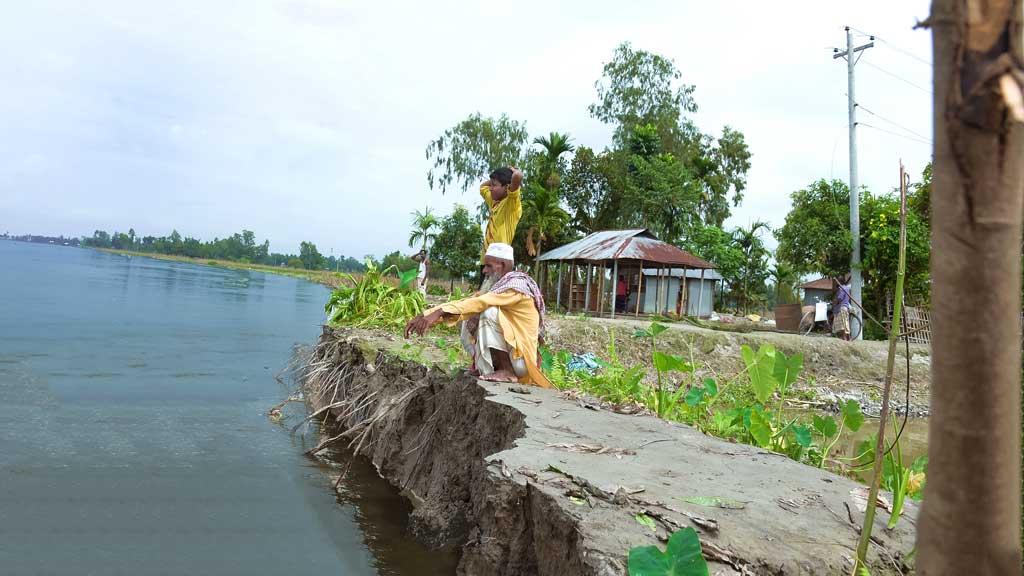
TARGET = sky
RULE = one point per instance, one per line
(308, 119)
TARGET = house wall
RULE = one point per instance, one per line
(654, 288)
(812, 295)
(707, 299)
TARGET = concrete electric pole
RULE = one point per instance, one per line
(857, 280)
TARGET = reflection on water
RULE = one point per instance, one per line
(132, 400)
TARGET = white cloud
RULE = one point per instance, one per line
(307, 120)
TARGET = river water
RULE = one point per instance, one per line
(134, 439)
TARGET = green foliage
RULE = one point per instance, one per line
(472, 148)
(543, 216)
(424, 227)
(682, 557)
(785, 280)
(372, 302)
(552, 166)
(310, 256)
(456, 249)
(396, 261)
(760, 369)
(748, 288)
(294, 262)
(436, 290)
(816, 235)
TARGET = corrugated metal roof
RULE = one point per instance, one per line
(625, 245)
(819, 284)
(691, 273)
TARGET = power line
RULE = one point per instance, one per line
(894, 123)
(895, 47)
(911, 138)
(900, 78)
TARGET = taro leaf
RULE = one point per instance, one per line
(825, 426)
(862, 570)
(656, 328)
(852, 415)
(547, 359)
(760, 429)
(640, 333)
(716, 502)
(694, 396)
(803, 435)
(787, 369)
(710, 387)
(645, 520)
(406, 278)
(682, 557)
(759, 368)
(670, 362)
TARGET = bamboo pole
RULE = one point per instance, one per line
(700, 294)
(586, 297)
(883, 416)
(572, 278)
(615, 286)
(639, 288)
(558, 292)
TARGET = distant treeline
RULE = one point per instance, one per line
(239, 247)
(41, 239)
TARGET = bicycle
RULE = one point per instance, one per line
(818, 320)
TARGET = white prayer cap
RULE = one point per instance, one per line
(501, 251)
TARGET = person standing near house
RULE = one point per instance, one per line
(503, 195)
(841, 308)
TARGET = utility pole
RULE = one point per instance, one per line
(857, 280)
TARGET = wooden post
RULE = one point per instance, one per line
(668, 292)
(970, 514)
(600, 289)
(558, 292)
(615, 286)
(639, 288)
(572, 278)
(586, 298)
(700, 294)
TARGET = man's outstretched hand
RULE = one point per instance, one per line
(420, 324)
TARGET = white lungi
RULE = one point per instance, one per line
(489, 336)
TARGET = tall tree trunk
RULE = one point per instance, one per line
(970, 518)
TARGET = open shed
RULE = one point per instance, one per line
(658, 278)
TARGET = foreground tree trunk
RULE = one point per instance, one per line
(970, 519)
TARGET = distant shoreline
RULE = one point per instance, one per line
(323, 277)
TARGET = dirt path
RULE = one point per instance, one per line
(527, 481)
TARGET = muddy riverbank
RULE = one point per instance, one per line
(527, 481)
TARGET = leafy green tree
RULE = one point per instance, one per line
(920, 199)
(131, 237)
(400, 261)
(639, 88)
(310, 256)
(816, 235)
(593, 204)
(424, 226)
(784, 281)
(468, 151)
(749, 287)
(552, 166)
(543, 217)
(294, 262)
(660, 193)
(457, 247)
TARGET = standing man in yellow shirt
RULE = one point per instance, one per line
(503, 195)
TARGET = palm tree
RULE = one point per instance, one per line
(749, 242)
(785, 279)
(555, 144)
(542, 210)
(424, 226)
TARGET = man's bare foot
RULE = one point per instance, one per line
(500, 376)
